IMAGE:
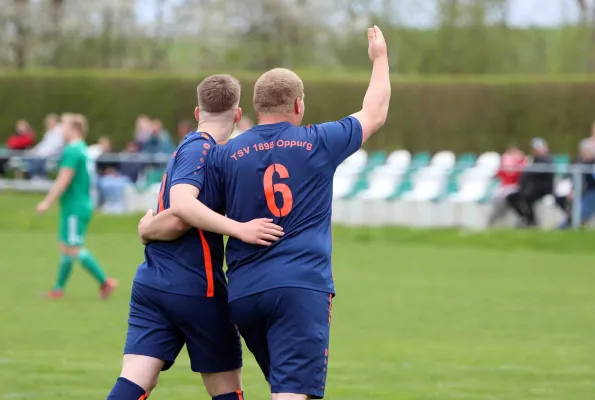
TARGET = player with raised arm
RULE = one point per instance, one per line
(73, 187)
(280, 296)
(179, 294)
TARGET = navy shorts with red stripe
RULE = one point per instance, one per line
(288, 330)
(161, 323)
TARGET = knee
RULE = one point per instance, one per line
(142, 370)
(223, 382)
(148, 383)
(72, 251)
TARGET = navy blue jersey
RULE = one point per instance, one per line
(193, 263)
(284, 172)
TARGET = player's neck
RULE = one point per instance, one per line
(219, 132)
(269, 119)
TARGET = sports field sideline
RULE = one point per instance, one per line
(430, 315)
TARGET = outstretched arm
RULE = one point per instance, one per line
(376, 101)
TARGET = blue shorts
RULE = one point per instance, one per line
(161, 323)
(287, 330)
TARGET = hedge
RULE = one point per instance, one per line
(461, 114)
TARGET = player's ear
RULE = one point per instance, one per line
(238, 116)
(297, 106)
(196, 113)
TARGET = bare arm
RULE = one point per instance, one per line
(376, 101)
(184, 205)
(60, 185)
(163, 226)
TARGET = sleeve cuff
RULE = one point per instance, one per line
(187, 181)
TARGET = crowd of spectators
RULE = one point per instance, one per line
(522, 184)
(141, 162)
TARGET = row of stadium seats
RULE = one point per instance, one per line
(420, 177)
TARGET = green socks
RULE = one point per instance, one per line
(64, 270)
(90, 264)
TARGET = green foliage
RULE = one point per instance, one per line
(467, 113)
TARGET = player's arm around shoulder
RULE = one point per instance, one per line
(374, 111)
(162, 227)
(187, 181)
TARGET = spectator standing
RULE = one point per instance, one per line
(535, 183)
(509, 174)
(50, 146)
(585, 159)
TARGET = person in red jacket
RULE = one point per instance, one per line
(23, 138)
(509, 174)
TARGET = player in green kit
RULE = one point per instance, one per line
(73, 187)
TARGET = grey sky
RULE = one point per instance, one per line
(422, 12)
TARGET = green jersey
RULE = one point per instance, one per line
(77, 197)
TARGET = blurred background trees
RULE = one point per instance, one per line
(426, 36)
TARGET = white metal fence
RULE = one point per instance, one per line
(358, 210)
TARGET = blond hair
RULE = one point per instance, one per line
(218, 93)
(275, 91)
(77, 121)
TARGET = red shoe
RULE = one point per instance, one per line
(54, 294)
(107, 288)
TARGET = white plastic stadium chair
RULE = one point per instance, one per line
(383, 182)
(399, 159)
(444, 160)
(427, 184)
(354, 163)
(343, 183)
(489, 161)
(563, 188)
(473, 184)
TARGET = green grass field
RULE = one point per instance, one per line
(430, 315)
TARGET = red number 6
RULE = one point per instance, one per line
(271, 188)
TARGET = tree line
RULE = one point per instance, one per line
(468, 37)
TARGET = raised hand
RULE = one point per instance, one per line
(260, 231)
(376, 44)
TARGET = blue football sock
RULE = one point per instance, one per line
(237, 395)
(126, 390)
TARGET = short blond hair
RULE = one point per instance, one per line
(275, 91)
(77, 121)
(218, 93)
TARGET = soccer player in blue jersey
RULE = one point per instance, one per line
(280, 296)
(179, 294)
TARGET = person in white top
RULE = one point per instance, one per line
(50, 146)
